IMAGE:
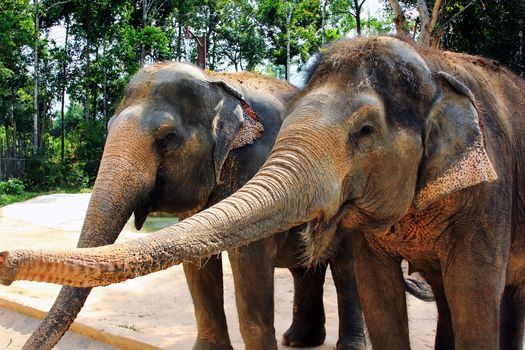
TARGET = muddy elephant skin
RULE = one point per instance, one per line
(415, 154)
(181, 140)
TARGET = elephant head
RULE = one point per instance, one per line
(166, 148)
(375, 133)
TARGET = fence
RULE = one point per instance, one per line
(12, 167)
(49, 172)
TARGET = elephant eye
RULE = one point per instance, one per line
(366, 130)
(169, 141)
(360, 139)
(170, 136)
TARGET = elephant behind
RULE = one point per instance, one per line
(181, 140)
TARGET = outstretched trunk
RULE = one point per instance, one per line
(277, 198)
(117, 191)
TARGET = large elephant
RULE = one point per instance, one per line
(181, 140)
(414, 153)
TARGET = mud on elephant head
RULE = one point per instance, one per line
(375, 133)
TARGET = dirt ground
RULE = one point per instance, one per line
(153, 311)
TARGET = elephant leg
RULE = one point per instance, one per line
(253, 270)
(512, 318)
(351, 324)
(474, 298)
(205, 284)
(307, 327)
(444, 331)
(61, 315)
(382, 295)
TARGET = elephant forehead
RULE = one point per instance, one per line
(132, 112)
(160, 70)
(404, 52)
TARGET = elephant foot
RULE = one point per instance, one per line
(201, 344)
(302, 338)
(351, 343)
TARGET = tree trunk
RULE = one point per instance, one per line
(428, 22)
(2, 156)
(289, 12)
(424, 20)
(213, 54)
(144, 20)
(62, 103)
(179, 42)
(522, 57)
(323, 18)
(213, 19)
(105, 91)
(42, 122)
(35, 90)
(87, 107)
(15, 137)
(355, 10)
(94, 89)
(357, 15)
(400, 19)
(240, 60)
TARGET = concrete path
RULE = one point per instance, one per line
(150, 312)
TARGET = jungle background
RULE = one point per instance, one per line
(64, 64)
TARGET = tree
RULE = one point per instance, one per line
(490, 29)
(237, 38)
(350, 7)
(428, 22)
(400, 20)
(289, 8)
(304, 30)
(35, 73)
(16, 39)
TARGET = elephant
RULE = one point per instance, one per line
(181, 140)
(413, 152)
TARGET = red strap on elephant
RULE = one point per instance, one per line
(249, 111)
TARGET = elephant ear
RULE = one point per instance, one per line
(455, 155)
(235, 125)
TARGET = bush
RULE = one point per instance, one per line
(42, 173)
(76, 178)
(12, 186)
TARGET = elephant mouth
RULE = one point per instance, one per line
(318, 235)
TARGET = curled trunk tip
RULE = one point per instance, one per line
(7, 276)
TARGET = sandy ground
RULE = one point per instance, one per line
(152, 310)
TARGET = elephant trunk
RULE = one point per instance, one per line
(277, 198)
(123, 179)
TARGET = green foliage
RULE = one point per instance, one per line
(109, 40)
(6, 199)
(89, 139)
(155, 42)
(129, 326)
(237, 38)
(490, 29)
(12, 186)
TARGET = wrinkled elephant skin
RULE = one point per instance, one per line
(414, 154)
(181, 140)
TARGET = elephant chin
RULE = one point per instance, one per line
(318, 236)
